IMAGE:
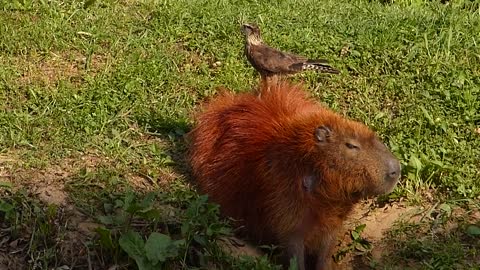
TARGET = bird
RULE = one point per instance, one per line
(271, 62)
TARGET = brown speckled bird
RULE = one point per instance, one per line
(270, 62)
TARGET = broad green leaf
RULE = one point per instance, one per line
(446, 208)
(361, 248)
(132, 243)
(105, 237)
(131, 205)
(415, 163)
(5, 207)
(427, 115)
(107, 220)
(144, 264)
(355, 235)
(473, 230)
(360, 228)
(151, 214)
(200, 239)
(159, 247)
(147, 202)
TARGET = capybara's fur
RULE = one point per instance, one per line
(288, 169)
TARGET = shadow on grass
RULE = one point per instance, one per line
(172, 131)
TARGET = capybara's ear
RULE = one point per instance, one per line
(322, 133)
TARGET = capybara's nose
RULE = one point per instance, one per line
(393, 169)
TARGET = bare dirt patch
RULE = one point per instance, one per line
(44, 209)
(7, 162)
(45, 183)
(52, 194)
(378, 221)
(237, 247)
(64, 232)
(47, 70)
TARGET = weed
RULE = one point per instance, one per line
(448, 241)
(358, 245)
(34, 228)
(155, 234)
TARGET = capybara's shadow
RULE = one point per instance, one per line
(172, 131)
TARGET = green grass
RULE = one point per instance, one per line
(103, 91)
(444, 240)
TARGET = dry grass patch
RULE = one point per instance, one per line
(49, 69)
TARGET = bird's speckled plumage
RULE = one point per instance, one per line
(270, 62)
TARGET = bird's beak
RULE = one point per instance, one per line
(244, 27)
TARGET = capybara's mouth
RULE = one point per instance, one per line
(388, 186)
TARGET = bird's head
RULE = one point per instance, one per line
(252, 33)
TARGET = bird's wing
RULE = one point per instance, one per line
(272, 60)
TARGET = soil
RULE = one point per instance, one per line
(49, 69)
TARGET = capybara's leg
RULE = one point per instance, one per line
(296, 249)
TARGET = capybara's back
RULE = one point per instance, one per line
(286, 168)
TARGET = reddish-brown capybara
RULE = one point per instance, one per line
(286, 168)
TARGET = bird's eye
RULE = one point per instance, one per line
(351, 146)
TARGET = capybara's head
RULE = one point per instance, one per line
(351, 161)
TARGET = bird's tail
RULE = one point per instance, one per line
(318, 65)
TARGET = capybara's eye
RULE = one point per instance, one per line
(351, 146)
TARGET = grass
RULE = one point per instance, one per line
(95, 97)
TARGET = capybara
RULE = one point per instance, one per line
(286, 168)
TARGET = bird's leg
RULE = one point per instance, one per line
(264, 85)
(274, 80)
(268, 82)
